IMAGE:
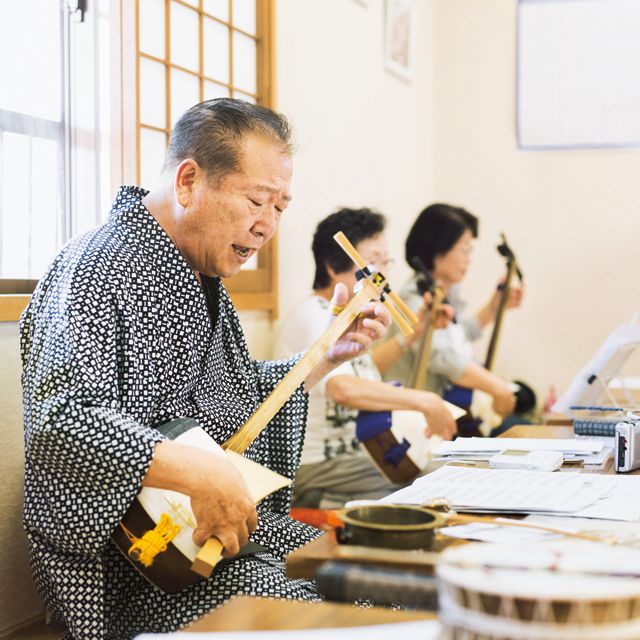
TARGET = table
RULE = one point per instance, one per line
(557, 419)
(260, 614)
(304, 562)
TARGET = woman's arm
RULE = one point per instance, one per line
(475, 376)
(371, 395)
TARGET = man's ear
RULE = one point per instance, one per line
(185, 179)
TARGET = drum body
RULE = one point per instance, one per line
(559, 590)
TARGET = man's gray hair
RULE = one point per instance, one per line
(212, 132)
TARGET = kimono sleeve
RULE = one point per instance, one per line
(85, 457)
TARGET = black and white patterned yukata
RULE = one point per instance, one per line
(119, 337)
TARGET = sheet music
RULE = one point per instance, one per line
(495, 445)
(620, 501)
(597, 458)
(504, 490)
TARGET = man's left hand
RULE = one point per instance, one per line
(371, 324)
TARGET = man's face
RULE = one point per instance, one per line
(220, 226)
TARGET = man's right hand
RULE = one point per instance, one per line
(220, 498)
(223, 507)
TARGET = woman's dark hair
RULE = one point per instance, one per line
(212, 133)
(436, 230)
(357, 225)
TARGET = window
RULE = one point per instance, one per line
(92, 106)
(187, 51)
(54, 128)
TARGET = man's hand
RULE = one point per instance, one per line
(371, 325)
(220, 499)
(439, 419)
(223, 507)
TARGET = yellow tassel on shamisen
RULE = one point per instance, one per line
(153, 542)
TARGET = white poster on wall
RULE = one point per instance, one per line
(578, 73)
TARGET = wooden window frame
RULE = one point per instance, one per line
(254, 289)
(14, 297)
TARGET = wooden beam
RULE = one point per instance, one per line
(11, 306)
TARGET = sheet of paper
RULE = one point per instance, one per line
(485, 532)
(589, 387)
(495, 445)
(607, 441)
(597, 458)
(503, 490)
(418, 630)
(620, 500)
(627, 533)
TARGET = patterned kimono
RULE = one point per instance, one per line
(119, 338)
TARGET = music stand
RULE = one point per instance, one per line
(590, 387)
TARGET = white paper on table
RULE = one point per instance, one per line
(607, 441)
(608, 446)
(414, 630)
(503, 490)
(620, 500)
(597, 458)
(485, 532)
(627, 533)
(490, 446)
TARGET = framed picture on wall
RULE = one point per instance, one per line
(400, 36)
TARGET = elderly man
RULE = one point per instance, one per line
(132, 327)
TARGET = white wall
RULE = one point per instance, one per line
(571, 216)
(367, 138)
(364, 137)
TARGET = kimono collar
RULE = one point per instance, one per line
(129, 215)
